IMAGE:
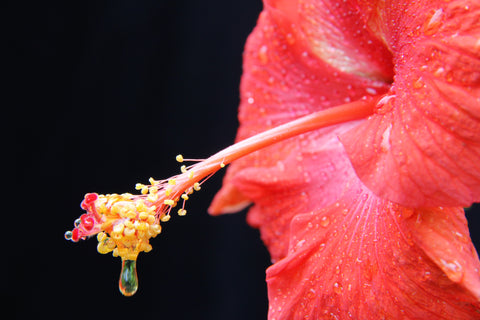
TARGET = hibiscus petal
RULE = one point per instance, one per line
(285, 78)
(367, 258)
(422, 148)
(291, 187)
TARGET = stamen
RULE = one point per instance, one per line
(125, 223)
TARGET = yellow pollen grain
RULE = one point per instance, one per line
(183, 169)
(143, 215)
(179, 158)
(165, 218)
(168, 191)
(172, 182)
(190, 175)
(182, 212)
(169, 202)
(144, 190)
(151, 219)
(152, 181)
(196, 186)
(184, 197)
(101, 236)
(139, 186)
(118, 228)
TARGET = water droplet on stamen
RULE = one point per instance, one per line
(128, 283)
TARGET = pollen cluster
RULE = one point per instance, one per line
(124, 223)
(130, 224)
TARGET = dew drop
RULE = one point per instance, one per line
(262, 54)
(418, 83)
(68, 235)
(337, 288)
(128, 283)
(325, 221)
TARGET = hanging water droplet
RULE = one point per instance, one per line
(68, 235)
(128, 283)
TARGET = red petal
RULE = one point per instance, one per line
(367, 258)
(423, 147)
(285, 78)
(302, 182)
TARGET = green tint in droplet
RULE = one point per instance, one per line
(128, 283)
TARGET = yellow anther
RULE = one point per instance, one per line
(140, 206)
(148, 247)
(169, 202)
(118, 228)
(168, 191)
(222, 165)
(129, 232)
(143, 215)
(153, 190)
(105, 246)
(156, 228)
(139, 186)
(151, 219)
(165, 218)
(184, 197)
(190, 175)
(183, 169)
(128, 224)
(179, 158)
(172, 182)
(144, 190)
(142, 226)
(182, 212)
(152, 181)
(196, 186)
(101, 236)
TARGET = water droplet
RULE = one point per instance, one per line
(433, 22)
(262, 54)
(128, 283)
(68, 235)
(337, 288)
(453, 269)
(418, 83)
(325, 221)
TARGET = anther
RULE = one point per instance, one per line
(183, 169)
(196, 186)
(169, 202)
(182, 212)
(179, 158)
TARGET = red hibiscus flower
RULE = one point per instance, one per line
(376, 105)
(364, 219)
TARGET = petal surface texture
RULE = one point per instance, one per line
(422, 148)
(367, 258)
(286, 77)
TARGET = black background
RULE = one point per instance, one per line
(104, 94)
